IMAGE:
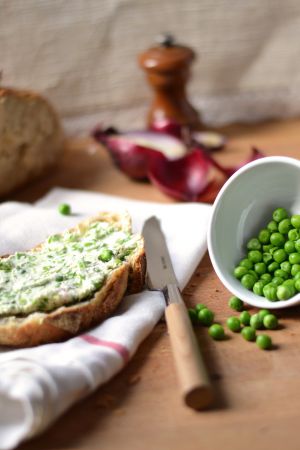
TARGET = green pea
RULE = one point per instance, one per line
(284, 226)
(295, 220)
(272, 226)
(253, 273)
(256, 322)
(289, 282)
(59, 277)
(239, 272)
(297, 245)
(264, 236)
(266, 277)
(273, 249)
(281, 273)
(297, 276)
(206, 317)
(245, 318)
(277, 239)
(64, 209)
(294, 258)
(270, 322)
(267, 258)
(293, 235)
(258, 287)
(193, 315)
(264, 341)
(236, 303)
(234, 324)
(295, 269)
(289, 247)
(199, 306)
(246, 263)
(248, 333)
(260, 268)
(105, 255)
(280, 255)
(297, 284)
(273, 266)
(263, 313)
(279, 214)
(267, 248)
(270, 292)
(284, 292)
(286, 266)
(255, 256)
(277, 281)
(254, 244)
(248, 281)
(216, 331)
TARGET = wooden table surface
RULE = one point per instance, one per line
(257, 393)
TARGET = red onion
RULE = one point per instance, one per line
(180, 170)
(183, 179)
(133, 151)
(169, 126)
(210, 140)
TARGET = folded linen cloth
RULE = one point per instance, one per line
(39, 384)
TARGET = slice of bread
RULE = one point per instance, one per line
(66, 321)
(31, 137)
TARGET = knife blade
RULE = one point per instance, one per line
(195, 385)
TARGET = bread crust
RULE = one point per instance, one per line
(31, 137)
(67, 321)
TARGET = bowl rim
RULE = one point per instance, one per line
(261, 301)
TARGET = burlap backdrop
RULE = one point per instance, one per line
(82, 55)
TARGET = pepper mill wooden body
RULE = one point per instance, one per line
(168, 67)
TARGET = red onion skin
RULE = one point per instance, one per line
(168, 126)
(134, 160)
(184, 179)
(228, 171)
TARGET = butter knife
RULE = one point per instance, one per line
(194, 382)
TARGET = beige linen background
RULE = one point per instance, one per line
(82, 55)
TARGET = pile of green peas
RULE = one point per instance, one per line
(248, 325)
(245, 323)
(272, 266)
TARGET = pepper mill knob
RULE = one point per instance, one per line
(167, 66)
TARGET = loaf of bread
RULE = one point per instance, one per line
(70, 282)
(30, 138)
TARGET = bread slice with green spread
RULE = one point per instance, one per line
(70, 282)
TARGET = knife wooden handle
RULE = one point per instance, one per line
(194, 381)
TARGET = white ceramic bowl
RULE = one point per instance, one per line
(243, 206)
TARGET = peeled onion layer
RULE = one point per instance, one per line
(177, 170)
(210, 140)
(183, 179)
(134, 152)
(170, 127)
(228, 171)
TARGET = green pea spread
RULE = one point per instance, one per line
(67, 269)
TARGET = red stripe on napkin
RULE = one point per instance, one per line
(123, 352)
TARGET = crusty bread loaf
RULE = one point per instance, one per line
(66, 321)
(30, 138)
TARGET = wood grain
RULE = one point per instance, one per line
(194, 382)
(257, 392)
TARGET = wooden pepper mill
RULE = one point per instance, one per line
(168, 66)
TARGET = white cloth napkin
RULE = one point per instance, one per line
(39, 384)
